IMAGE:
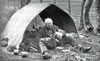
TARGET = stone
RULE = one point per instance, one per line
(11, 48)
(4, 43)
(16, 52)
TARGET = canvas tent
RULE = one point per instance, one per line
(18, 23)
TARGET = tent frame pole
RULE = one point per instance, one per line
(69, 6)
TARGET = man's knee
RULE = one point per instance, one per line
(45, 42)
(45, 39)
(42, 39)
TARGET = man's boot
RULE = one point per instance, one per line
(46, 55)
(89, 28)
(85, 50)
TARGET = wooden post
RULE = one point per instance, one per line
(41, 1)
(54, 1)
(8, 3)
(18, 2)
(5, 3)
(14, 5)
(69, 6)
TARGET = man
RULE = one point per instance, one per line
(85, 20)
(49, 29)
(51, 38)
(47, 40)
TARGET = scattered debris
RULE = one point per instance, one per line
(24, 54)
(16, 52)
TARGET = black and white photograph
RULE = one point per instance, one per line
(49, 30)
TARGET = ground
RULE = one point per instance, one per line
(92, 55)
(93, 40)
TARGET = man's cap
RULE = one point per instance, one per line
(48, 20)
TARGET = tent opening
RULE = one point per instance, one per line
(59, 17)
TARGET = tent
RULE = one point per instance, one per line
(19, 22)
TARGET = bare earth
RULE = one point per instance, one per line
(93, 40)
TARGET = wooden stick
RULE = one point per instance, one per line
(69, 6)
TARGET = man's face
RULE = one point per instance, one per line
(48, 24)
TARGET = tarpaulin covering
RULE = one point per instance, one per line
(19, 22)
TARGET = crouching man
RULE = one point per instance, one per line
(47, 39)
(51, 38)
